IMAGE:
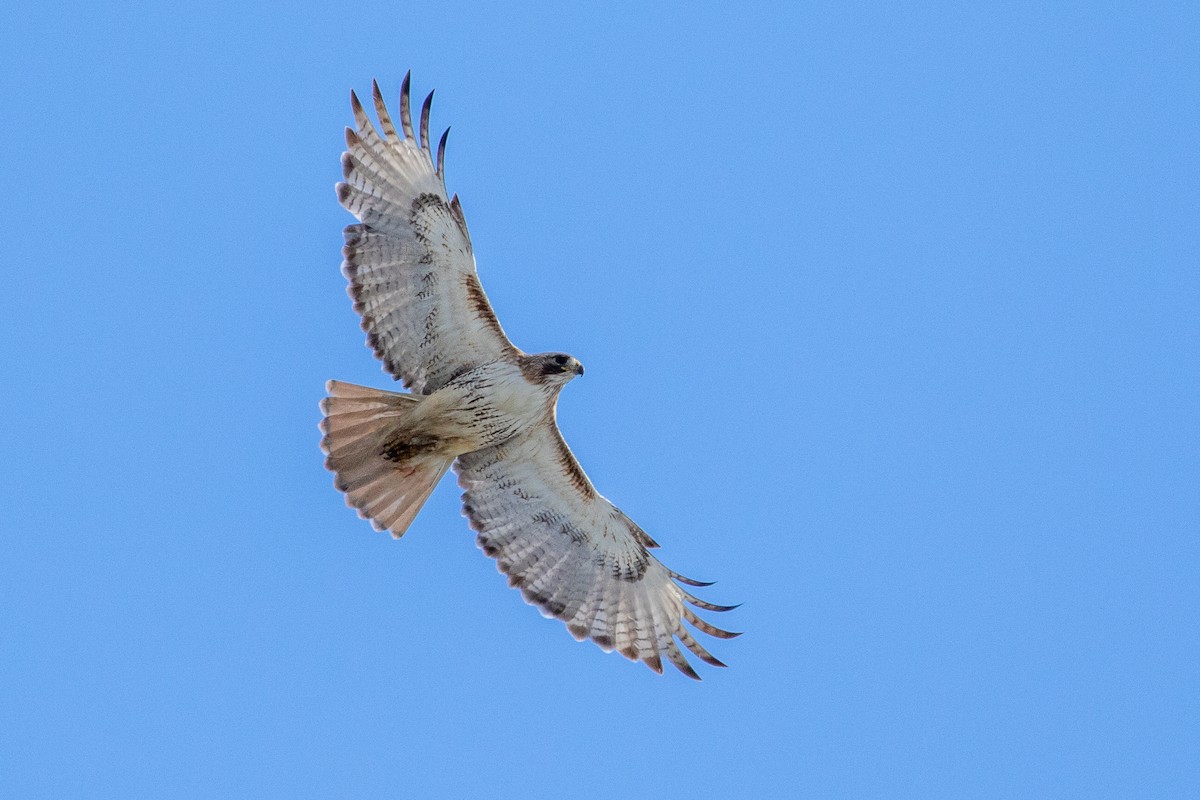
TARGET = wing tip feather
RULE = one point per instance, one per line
(385, 119)
(440, 168)
(406, 105)
(425, 108)
(689, 581)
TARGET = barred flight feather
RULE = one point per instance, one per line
(411, 275)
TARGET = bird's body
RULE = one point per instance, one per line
(489, 404)
(480, 403)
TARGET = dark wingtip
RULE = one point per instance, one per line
(707, 627)
(715, 607)
(690, 581)
(713, 630)
(405, 106)
(385, 119)
(441, 156)
(425, 121)
(704, 604)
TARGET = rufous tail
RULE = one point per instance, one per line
(379, 457)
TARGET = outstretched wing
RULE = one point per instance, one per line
(409, 263)
(576, 555)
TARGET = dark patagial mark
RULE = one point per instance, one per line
(478, 303)
(574, 473)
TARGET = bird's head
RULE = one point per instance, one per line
(556, 369)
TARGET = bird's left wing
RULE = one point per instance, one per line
(575, 555)
(410, 264)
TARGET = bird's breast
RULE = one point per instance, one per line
(490, 404)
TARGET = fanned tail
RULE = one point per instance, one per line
(380, 459)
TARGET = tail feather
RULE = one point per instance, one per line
(359, 425)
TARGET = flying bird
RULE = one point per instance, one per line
(479, 403)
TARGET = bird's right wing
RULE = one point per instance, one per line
(577, 556)
(409, 262)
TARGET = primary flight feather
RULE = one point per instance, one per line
(479, 403)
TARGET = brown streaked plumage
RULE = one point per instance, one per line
(482, 405)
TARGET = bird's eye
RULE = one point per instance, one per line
(560, 360)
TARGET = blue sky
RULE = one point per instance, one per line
(890, 318)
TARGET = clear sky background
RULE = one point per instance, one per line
(891, 318)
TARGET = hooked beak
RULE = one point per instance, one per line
(578, 368)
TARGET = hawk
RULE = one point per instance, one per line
(481, 404)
